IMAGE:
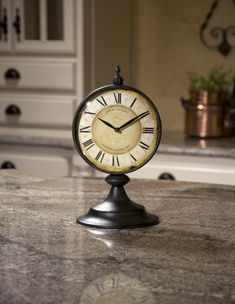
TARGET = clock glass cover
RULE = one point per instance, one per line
(116, 129)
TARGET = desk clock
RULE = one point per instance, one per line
(117, 130)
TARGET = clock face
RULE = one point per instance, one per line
(117, 130)
(117, 289)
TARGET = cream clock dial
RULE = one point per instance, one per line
(117, 130)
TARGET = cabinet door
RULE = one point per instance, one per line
(5, 26)
(43, 26)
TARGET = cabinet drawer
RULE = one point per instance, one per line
(37, 75)
(36, 111)
(35, 164)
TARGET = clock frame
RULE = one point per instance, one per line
(89, 143)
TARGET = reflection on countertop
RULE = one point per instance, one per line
(47, 258)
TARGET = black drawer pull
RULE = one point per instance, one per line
(13, 110)
(3, 23)
(8, 165)
(17, 24)
(12, 74)
(166, 176)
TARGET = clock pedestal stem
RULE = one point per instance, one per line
(118, 210)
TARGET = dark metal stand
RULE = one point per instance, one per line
(117, 210)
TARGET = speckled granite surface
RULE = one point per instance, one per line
(45, 257)
(171, 142)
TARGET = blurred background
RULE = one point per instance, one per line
(53, 52)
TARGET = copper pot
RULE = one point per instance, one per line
(205, 120)
(209, 97)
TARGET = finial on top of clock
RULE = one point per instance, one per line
(117, 79)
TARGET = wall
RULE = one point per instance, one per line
(166, 46)
(110, 40)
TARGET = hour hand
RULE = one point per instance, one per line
(107, 123)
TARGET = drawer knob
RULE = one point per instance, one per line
(13, 110)
(166, 176)
(8, 165)
(12, 74)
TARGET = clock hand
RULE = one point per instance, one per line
(133, 120)
(107, 123)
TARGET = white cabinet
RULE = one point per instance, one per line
(37, 26)
(38, 80)
(53, 52)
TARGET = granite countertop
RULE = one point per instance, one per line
(45, 257)
(172, 142)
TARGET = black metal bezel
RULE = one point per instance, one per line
(90, 96)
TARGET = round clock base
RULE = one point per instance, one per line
(112, 220)
(117, 211)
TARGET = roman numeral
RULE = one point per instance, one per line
(133, 102)
(115, 283)
(88, 144)
(144, 299)
(117, 97)
(91, 113)
(102, 101)
(88, 299)
(100, 156)
(85, 129)
(100, 287)
(115, 161)
(132, 156)
(147, 130)
(144, 146)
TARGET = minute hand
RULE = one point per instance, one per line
(134, 120)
